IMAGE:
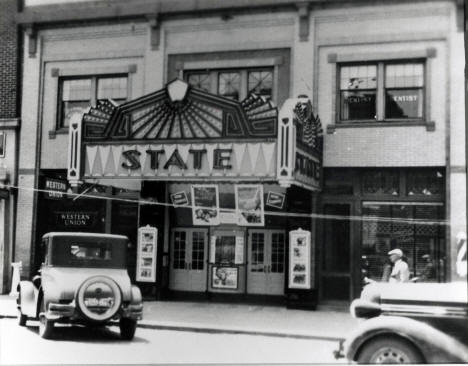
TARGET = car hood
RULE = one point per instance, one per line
(453, 293)
(63, 282)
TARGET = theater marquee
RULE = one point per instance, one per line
(182, 133)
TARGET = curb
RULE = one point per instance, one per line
(214, 330)
(187, 328)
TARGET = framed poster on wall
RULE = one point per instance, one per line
(249, 205)
(205, 204)
(224, 277)
(299, 259)
(146, 254)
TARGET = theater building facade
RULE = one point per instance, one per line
(193, 129)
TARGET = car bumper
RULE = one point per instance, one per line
(57, 311)
(133, 311)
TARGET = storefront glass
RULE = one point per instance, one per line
(416, 229)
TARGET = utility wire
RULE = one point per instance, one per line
(232, 210)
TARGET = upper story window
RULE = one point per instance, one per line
(233, 83)
(77, 94)
(381, 91)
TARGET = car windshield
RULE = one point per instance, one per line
(88, 252)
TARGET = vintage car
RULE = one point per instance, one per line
(409, 323)
(83, 280)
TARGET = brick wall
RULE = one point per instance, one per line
(8, 58)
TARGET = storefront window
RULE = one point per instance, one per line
(413, 228)
(426, 182)
(380, 182)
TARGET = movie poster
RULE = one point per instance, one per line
(299, 259)
(249, 205)
(205, 204)
(224, 277)
(146, 254)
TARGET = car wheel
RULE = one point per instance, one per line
(99, 299)
(127, 328)
(22, 319)
(389, 350)
(46, 326)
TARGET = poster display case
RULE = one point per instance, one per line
(146, 255)
(299, 259)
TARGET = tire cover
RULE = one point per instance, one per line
(99, 298)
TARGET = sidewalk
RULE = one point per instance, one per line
(274, 321)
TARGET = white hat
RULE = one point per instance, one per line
(396, 251)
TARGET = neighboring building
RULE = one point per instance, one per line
(386, 80)
(9, 125)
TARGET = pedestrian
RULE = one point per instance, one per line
(429, 271)
(400, 271)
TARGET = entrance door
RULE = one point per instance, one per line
(336, 256)
(188, 260)
(266, 262)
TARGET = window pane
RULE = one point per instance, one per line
(381, 182)
(358, 77)
(403, 103)
(425, 182)
(357, 105)
(229, 85)
(73, 112)
(261, 82)
(404, 75)
(112, 88)
(200, 81)
(76, 89)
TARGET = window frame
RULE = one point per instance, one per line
(59, 127)
(426, 55)
(381, 89)
(214, 75)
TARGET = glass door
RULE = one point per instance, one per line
(336, 253)
(266, 250)
(188, 260)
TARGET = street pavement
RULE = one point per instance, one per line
(103, 346)
(208, 317)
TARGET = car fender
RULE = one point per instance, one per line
(29, 294)
(434, 345)
(136, 295)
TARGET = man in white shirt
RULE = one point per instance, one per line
(400, 271)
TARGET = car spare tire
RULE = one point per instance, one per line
(98, 298)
